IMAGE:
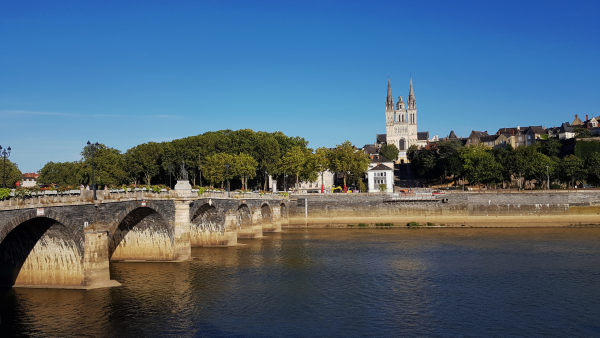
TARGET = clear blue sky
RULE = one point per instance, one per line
(129, 72)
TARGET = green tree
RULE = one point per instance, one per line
(109, 167)
(293, 162)
(480, 166)
(571, 169)
(551, 147)
(321, 162)
(143, 160)
(244, 167)
(61, 173)
(424, 165)
(448, 158)
(389, 151)
(412, 151)
(214, 168)
(593, 168)
(12, 175)
(346, 160)
(582, 133)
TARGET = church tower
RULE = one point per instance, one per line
(401, 121)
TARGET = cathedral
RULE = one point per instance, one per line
(401, 122)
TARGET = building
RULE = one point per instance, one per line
(380, 174)
(30, 180)
(400, 122)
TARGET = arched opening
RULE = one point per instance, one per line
(267, 214)
(206, 226)
(401, 145)
(142, 235)
(40, 251)
(244, 217)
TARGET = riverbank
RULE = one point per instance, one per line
(543, 209)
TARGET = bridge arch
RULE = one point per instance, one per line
(283, 210)
(266, 213)
(41, 250)
(142, 234)
(244, 217)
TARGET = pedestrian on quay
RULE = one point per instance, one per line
(87, 187)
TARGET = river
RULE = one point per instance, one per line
(340, 283)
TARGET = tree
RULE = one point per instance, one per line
(424, 164)
(293, 162)
(244, 167)
(582, 133)
(389, 151)
(61, 173)
(109, 167)
(448, 158)
(321, 162)
(480, 166)
(571, 169)
(214, 168)
(411, 152)
(143, 160)
(13, 174)
(551, 147)
(346, 160)
(593, 168)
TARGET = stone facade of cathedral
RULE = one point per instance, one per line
(401, 122)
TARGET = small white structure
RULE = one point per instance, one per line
(381, 174)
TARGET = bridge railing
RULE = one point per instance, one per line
(86, 196)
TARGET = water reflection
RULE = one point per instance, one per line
(339, 282)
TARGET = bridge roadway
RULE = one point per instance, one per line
(69, 244)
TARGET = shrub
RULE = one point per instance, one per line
(412, 224)
(362, 225)
(4, 193)
(351, 225)
(201, 191)
(429, 224)
(555, 186)
(384, 224)
(382, 187)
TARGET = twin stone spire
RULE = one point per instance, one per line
(389, 101)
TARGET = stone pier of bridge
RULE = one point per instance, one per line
(70, 245)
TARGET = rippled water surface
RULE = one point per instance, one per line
(340, 282)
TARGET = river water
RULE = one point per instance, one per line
(342, 283)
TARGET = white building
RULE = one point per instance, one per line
(401, 123)
(380, 174)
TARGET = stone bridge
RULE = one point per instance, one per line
(69, 245)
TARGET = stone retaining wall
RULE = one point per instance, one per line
(330, 207)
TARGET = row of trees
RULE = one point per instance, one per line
(251, 156)
(479, 164)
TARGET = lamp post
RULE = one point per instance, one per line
(5, 154)
(548, 175)
(227, 175)
(93, 148)
(170, 172)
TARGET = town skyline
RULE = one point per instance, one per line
(123, 75)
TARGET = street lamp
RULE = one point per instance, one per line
(548, 175)
(200, 174)
(5, 154)
(170, 172)
(227, 169)
(93, 148)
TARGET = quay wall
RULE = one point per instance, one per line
(475, 208)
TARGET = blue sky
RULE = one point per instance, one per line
(125, 73)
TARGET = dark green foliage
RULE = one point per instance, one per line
(585, 149)
(351, 225)
(389, 151)
(429, 224)
(412, 224)
(555, 186)
(582, 133)
(13, 174)
(384, 224)
(362, 225)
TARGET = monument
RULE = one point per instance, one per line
(183, 186)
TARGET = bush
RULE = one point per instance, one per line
(4, 193)
(362, 225)
(382, 187)
(412, 224)
(555, 186)
(429, 224)
(384, 224)
(351, 225)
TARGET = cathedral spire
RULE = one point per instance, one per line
(389, 101)
(412, 102)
